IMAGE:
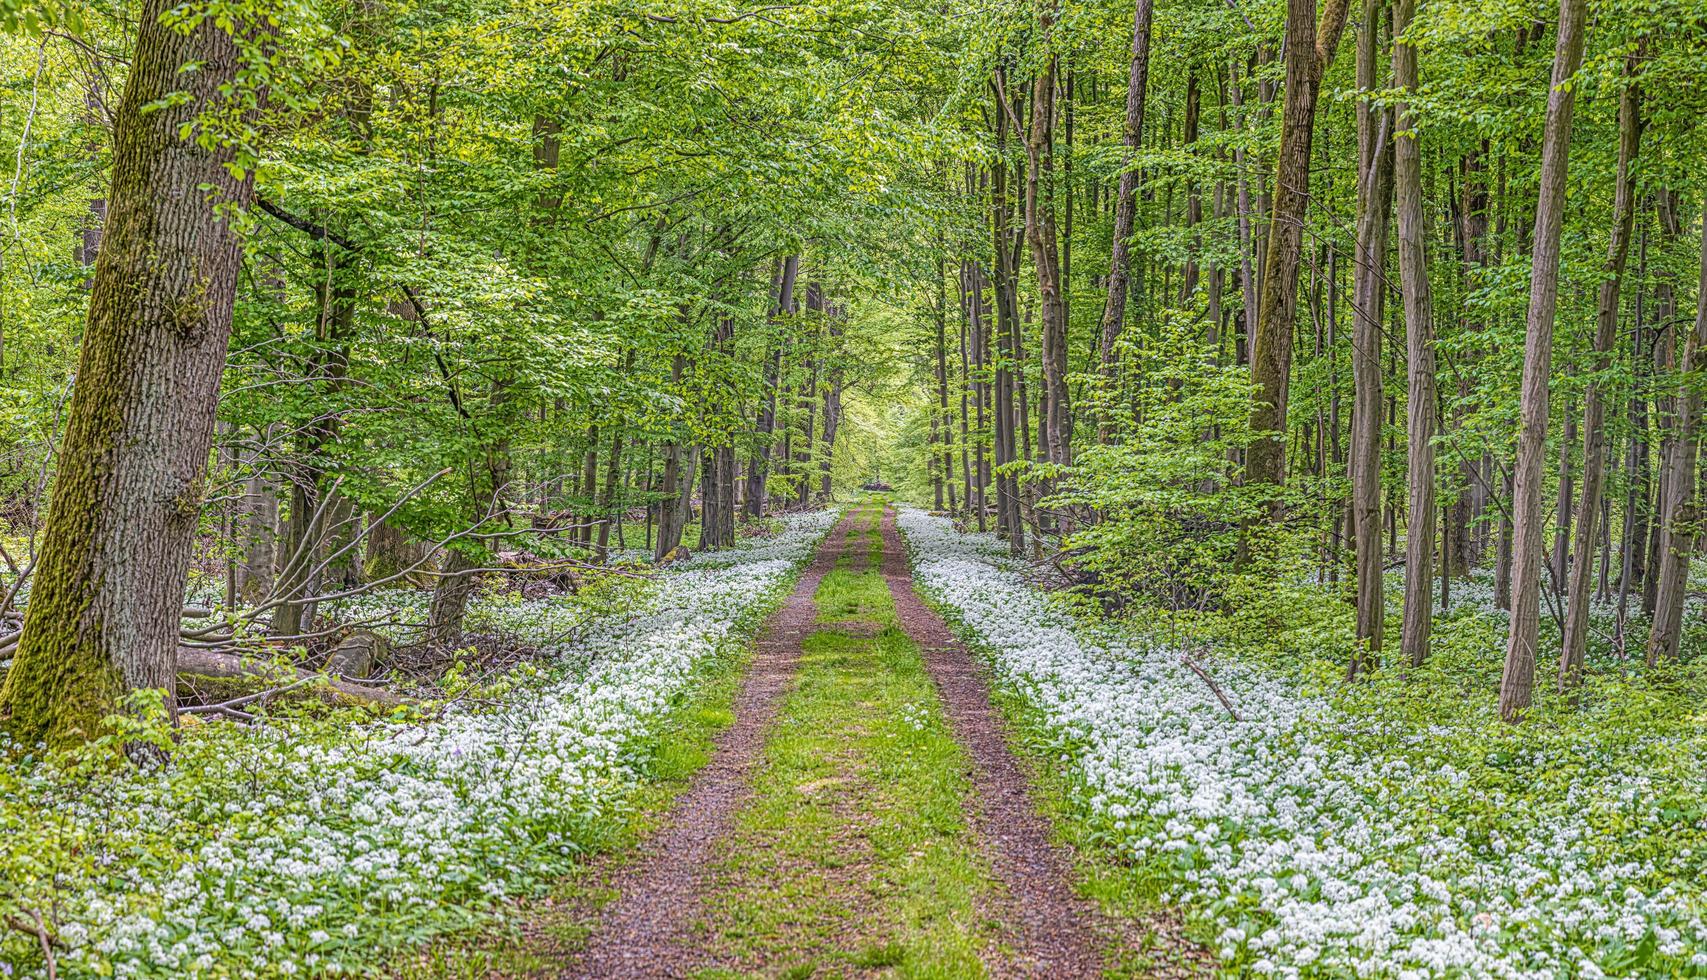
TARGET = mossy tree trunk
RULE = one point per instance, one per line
(104, 609)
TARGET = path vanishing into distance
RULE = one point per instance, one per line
(863, 811)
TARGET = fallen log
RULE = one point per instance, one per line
(357, 655)
(217, 676)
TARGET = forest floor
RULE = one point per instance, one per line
(861, 815)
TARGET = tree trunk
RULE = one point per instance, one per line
(1309, 51)
(1375, 190)
(1045, 258)
(609, 505)
(450, 600)
(1680, 512)
(259, 524)
(1594, 399)
(1528, 549)
(945, 471)
(104, 610)
(1419, 342)
(758, 472)
(1126, 193)
(832, 402)
(671, 520)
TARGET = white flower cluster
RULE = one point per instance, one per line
(1309, 857)
(262, 852)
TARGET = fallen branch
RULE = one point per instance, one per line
(214, 709)
(250, 698)
(1185, 658)
(47, 940)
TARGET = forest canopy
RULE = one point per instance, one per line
(358, 360)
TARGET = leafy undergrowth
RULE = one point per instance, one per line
(318, 845)
(1394, 828)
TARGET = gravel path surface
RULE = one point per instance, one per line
(1051, 931)
(645, 932)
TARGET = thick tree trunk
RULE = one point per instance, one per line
(1517, 682)
(450, 599)
(1419, 343)
(259, 524)
(389, 550)
(104, 609)
(1594, 399)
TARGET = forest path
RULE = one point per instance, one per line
(864, 815)
(648, 921)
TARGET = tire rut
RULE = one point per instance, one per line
(1050, 930)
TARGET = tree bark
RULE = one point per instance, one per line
(1045, 257)
(1419, 343)
(1529, 551)
(1375, 190)
(1310, 50)
(1681, 511)
(1594, 399)
(1126, 194)
(104, 610)
(758, 472)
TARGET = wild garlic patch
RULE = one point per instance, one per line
(1314, 854)
(304, 848)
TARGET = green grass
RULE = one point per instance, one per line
(855, 853)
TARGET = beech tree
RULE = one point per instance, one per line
(1528, 549)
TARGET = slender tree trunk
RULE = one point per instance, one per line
(1503, 548)
(1194, 198)
(671, 519)
(1309, 51)
(1680, 513)
(1045, 258)
(1368, 310)
(832, 402)
(945, 470)
(1517, 682)
(1594, 399)
(1419, 334)
(1663, 363)
(758, 472)
(1126, 193)
(609, 506)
